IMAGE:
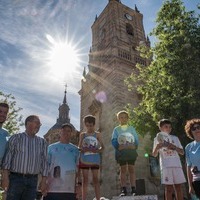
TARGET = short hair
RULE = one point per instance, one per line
(30, 118)
(89, 119)
(67, 125)
(189, 124)
(122, 112)
(5, 105)
(163, 122)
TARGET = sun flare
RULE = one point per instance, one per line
(63, 59)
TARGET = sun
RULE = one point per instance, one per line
(62, 59)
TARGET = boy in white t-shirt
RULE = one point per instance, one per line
(169, 147)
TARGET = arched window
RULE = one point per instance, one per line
(129, 29)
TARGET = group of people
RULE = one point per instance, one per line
(63, 168)
(59, 170)
(169, 147)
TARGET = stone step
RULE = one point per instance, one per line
(138, 197)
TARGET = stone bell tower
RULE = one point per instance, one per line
(116, 33)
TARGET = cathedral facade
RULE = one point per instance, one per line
(116, 33)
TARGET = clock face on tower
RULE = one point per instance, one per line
(129, 17)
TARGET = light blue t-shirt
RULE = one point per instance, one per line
(192, 153)
(63, 161)
(3, 141)
(125, 135)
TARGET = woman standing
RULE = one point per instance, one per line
(192, 152)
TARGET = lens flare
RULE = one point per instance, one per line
(101, 97)
(62, 59)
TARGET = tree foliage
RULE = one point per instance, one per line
(169, 86)
(14, 120)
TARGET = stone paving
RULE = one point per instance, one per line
(139, 197)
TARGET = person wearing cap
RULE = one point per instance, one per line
(25, 159)
(63, 160)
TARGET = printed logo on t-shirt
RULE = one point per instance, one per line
(90, 142)
(126, 138)
(165, 138)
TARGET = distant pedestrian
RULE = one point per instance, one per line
(25, 159)
(125, 141)
(192, 152)
(90, 145)
(169, 147)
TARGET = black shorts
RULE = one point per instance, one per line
(126, 156)
(89, 167)
(125, 162)
(60, 196)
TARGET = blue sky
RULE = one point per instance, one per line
(29, 31)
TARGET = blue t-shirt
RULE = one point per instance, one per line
(192, 154)
(63, 161)
(3, 141)
(126, 136)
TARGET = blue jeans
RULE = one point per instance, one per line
(21, 187)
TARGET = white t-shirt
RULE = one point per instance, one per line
(63, 160)
(168, 157)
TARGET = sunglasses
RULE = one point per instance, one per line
(194, 128)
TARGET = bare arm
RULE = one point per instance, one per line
(179, 151)
(173, 147)
(80, 141)
(156, 149)
(99, 138)
(189, 177)
(5, 179)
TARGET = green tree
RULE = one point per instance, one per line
(14, 120)
(169, 86)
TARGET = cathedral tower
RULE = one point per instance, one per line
(116, 33)
(53, 133)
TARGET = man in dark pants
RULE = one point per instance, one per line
(25, 159)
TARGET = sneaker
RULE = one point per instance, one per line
(133, 191)
(123, 192)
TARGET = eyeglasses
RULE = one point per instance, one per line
(37, 122)
(194, 128)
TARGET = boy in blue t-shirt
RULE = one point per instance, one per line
(125, 141)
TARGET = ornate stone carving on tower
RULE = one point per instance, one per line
(116, 33)
(53, 134)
